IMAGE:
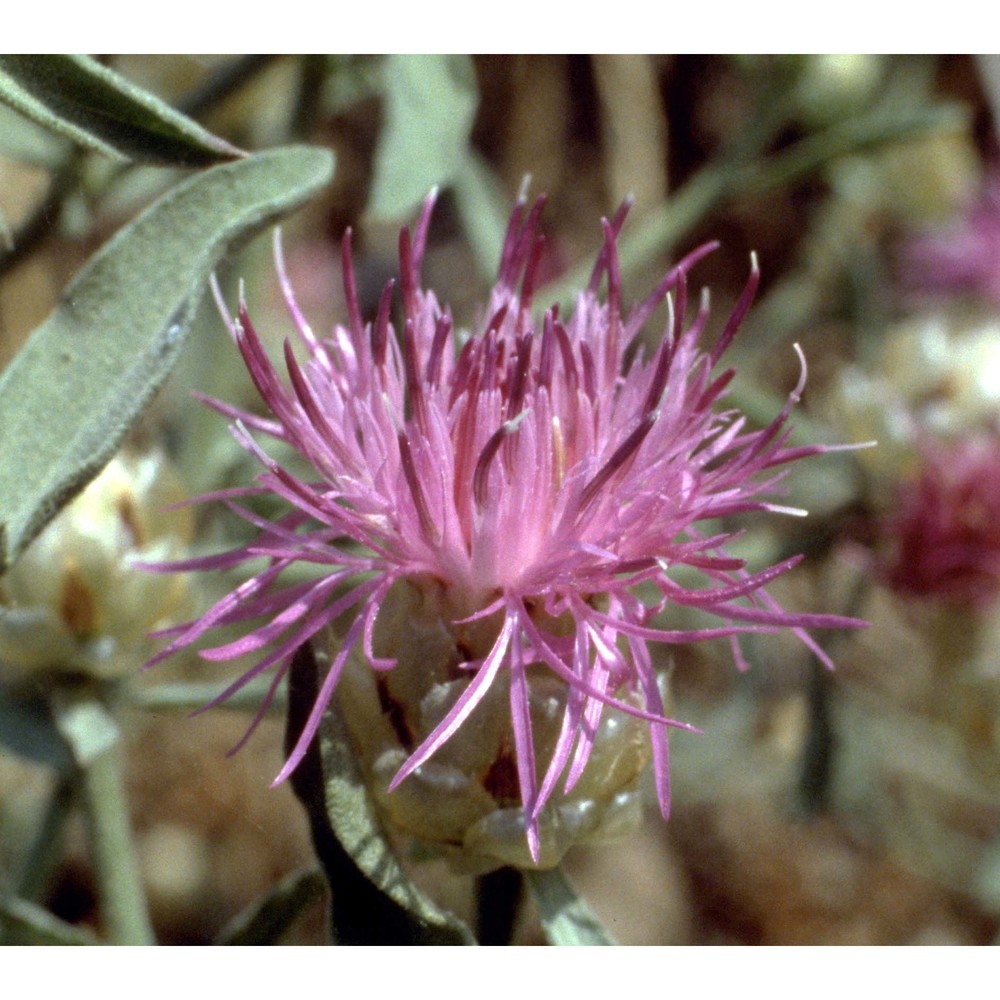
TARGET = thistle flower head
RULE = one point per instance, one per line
(945, 531)
(535, 475)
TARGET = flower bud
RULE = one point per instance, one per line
(466, 799)
(937, 373)
(72, 602)
(945, 528)
(835, 86)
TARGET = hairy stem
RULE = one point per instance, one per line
(119, 880)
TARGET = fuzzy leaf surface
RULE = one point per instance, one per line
(75, 96)
(566, 918)
(72, 392)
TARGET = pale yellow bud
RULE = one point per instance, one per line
(466, 798)
(73, 601)
(834, 86)
(939, 372)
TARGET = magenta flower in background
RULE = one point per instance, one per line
(945, 531)
(963, 258)
(536, 473)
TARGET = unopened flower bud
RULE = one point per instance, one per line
(72, 602)
(467, 798)
(938, 373)
(835, 86)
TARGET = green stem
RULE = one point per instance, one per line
(31, 882)
(308, 100)
(116, 865)
(189, 697)
(566, 918)
(6, 235)
(267, 921)
(42, 856)
(819, 754)
(849, 137)
(222, 83)
(820, 745)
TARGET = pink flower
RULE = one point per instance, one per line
(945, 531)
(963, 258)
(537, 472)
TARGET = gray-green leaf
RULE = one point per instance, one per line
(23, 922)
(27, 141)
(98, 108)
(269, 919)
(28, 729)
(566, 918)
(356, 825)
(73, 391)
(430, 107)
(373, 900)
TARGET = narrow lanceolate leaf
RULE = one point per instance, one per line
(359, 831)
(373, 900)
(70, 395)
(268, 920)
(430, 107)
(96, 107)
(28, 729)
(566, 918)
(27, 141)
(23, 922)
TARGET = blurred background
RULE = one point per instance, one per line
(855, 807)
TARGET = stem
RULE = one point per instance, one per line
(498, 901)
(41, 857)
(123, 900)
(820, 745)
(566, 918)
(308, 101)
(194, 696)
(849, 137)
(33, 878)
(634, 128)
(819, 755)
